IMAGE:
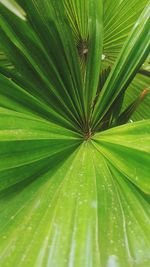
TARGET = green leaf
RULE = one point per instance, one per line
(86, 19)
(128, 148)
(133, 54)
(16, 98)
(4, 61)
(118, 23)
(26, 141)
(41, 70)
(77, 12)
(131, 109)
(81, 211)
(68, 196)
(140, 83)
(14, 7)
(146, 65)
(95, 44)
(123, 217)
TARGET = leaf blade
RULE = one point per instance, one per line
(126, 66)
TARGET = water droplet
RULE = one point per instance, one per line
(103, 56)
(94, 204)
(113, 261)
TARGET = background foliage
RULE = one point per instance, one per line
(74, 170)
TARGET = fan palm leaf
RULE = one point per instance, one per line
(74, 184)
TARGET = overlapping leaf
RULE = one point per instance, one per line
(14, 7)
(83, 211)
(139, 84)
(118, 22)
(27, 144)
(67, 197)
(133, 54)
(86, 18)
(15, 97)
(49, 67)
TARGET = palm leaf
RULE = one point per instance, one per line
(140, 83)
(31, 69)
(88, 35)
(131, 57)
(14, 7)
(71, 212)
(70, 196)
(118, 23)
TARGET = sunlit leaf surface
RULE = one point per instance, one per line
(74, 186)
